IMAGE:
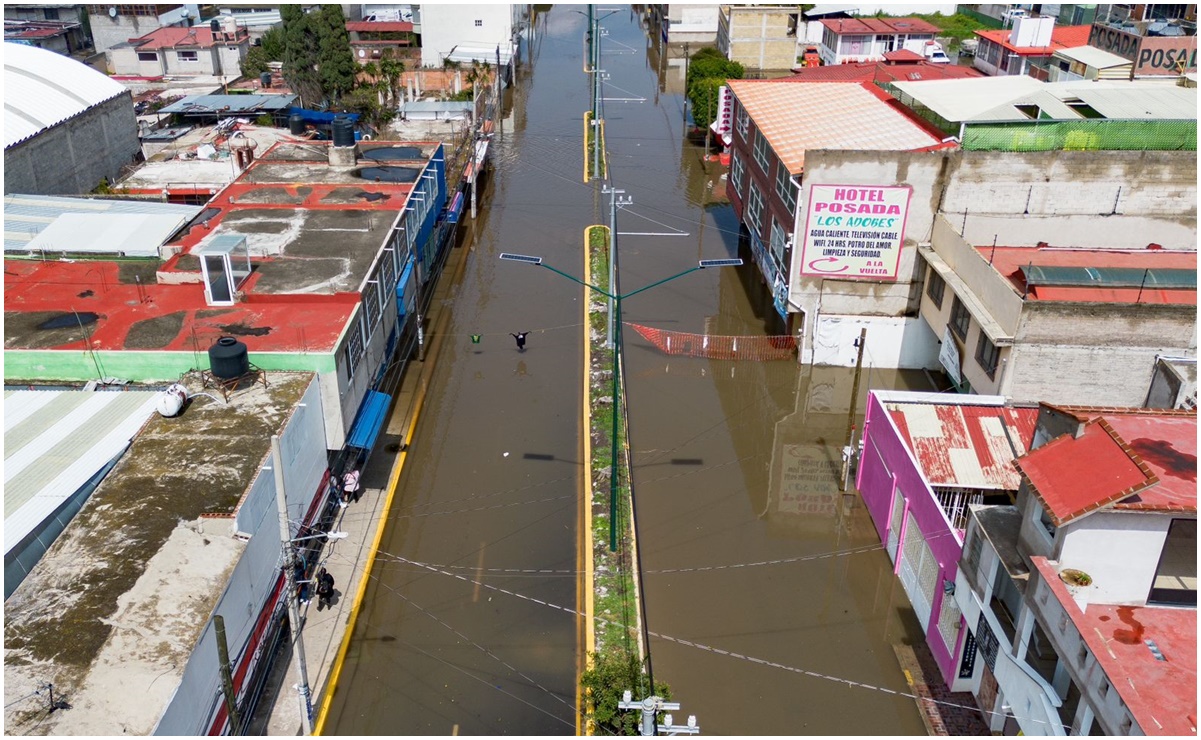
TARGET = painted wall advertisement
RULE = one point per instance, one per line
(1152, 55)
(855, 231)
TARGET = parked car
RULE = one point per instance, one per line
(933, 52)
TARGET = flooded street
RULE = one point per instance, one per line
(747, 545)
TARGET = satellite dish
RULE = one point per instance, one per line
(112, 12)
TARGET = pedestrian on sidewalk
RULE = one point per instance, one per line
(335, 490)
(350, 483)
(520, 337)
(325, 588)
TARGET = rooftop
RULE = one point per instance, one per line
(43, 88)
(1131, 459)
(313, 233)
(16, 29)
(379, 26)
(897, 65)
(1130, 285)
(796, 118)
(230, 105)
(1160, 694)
(1062, 37)
(28, 218)
(858, 26)
(966, 445)
(173, 37)
(1093, 57)
(125, 591)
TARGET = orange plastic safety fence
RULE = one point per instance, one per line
(718, 347)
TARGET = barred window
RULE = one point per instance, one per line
(960, 318)
(762, 152)
(784, 187)
(737, 173)
(388, 271)
(779, 244)
(354, 347)
(949, 618)
(371, 311)
(743, 121)
(935, 286)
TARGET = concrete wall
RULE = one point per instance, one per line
(445, 26)
(891, 342)
(252, 583)
(72, 157)
(1100, 199)
(107, 32)
(1120, 550)
(758, 37)
(140, 366)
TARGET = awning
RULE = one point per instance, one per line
(401, 285)
(370, 420)
(456, 207)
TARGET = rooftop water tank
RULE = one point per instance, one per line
(265, 79)
(296, 124)
(343, 131)
(228, 359)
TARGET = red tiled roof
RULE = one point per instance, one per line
(966, 445)
(858, 26)
(379, 26)
(902, 55)
(172, 37)
(1062, 37)
(1073, 476)
(1160, 694)
(1009, 261)
(883, 72)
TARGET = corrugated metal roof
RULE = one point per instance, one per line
(42, 88)
(26, 216)
(128, 234)
(229, 104)
(1094, 57)
(54, 441)
(966, 445)
(825, 115)
(960, 100)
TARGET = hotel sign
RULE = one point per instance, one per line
(855, 231)
(1152, 55)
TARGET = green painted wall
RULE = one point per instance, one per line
(43, 365)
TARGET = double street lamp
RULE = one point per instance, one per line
(616, 298)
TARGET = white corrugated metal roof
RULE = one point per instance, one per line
(961, 100)
(1093, 57)
(42, 88)
(26, 216)
(54, 441)
(129, 234)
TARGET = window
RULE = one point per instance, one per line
(1044, 518)
(987, 355)
(371, 311)
(50, 14)
(960, 318)
(935, 286)
(147, 56)
(479, 23)
(779, 244)
(354, 347)
(387, 265)
(743, 121)
(949, 619)
(1176, 576)
(762, 152)
(188, 56)
(785, 189)
(754, 209)
(737, 170)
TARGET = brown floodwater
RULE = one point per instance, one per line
(747, 545)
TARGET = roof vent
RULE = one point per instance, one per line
(1154, 246)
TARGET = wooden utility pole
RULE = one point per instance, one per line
(847, 450)
(227, 682)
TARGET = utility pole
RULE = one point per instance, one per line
(614, 203)
(652, 705)
(227, 682)
(848, 450)
(289, 553)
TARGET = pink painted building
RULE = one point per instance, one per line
(926, 457)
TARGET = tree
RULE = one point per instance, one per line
(272, 44)
(708, 70)
(704, 96)
(612, 673)
(335, 64)
(255, 62)
(300, 55)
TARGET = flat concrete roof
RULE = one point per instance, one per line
(113, 610)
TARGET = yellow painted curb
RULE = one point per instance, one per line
(587, 159)
(394, 479)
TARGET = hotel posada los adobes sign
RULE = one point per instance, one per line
(855, 231)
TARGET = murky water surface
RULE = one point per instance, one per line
(747, 544)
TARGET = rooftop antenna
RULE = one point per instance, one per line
(993, 253)
(1146, 272)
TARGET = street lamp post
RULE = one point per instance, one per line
(617, 298)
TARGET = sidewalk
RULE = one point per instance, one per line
(347, 559)
(924, 679)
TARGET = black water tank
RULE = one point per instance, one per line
(343, 131)
(296, 124)
(215, 26)
(228, 358)
(265, 79)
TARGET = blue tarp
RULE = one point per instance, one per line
(370, 421)
(317, 116)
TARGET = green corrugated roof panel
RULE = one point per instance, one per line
(1109, 277)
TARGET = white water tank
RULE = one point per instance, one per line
(1032, 32)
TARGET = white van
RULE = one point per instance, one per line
(933, 52)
